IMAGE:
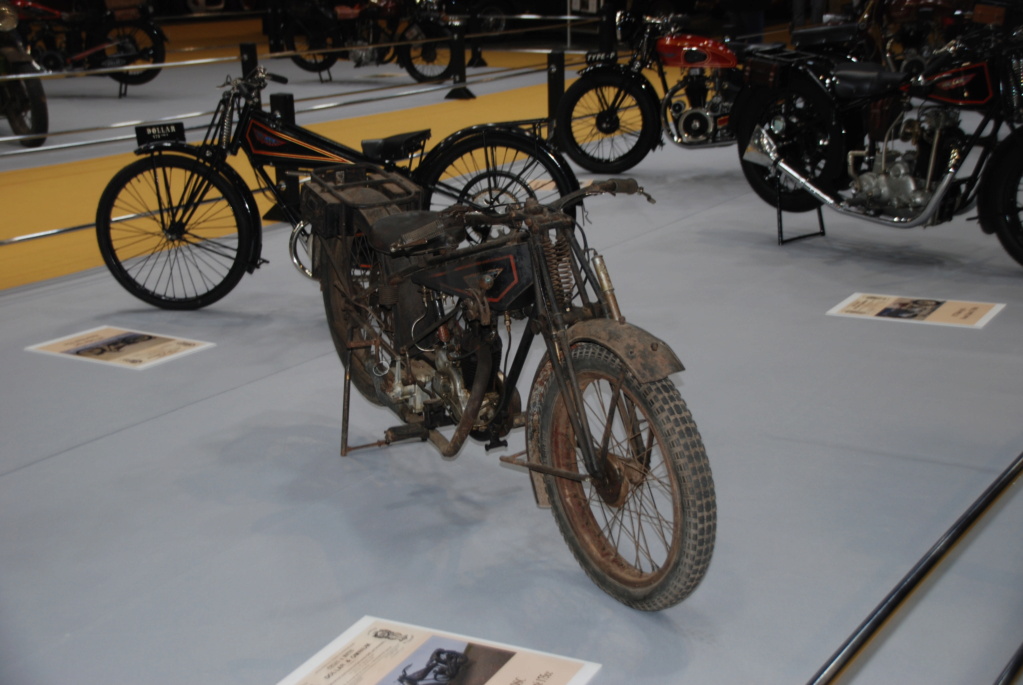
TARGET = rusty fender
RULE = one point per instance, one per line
(648, 358)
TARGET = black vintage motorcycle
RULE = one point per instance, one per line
(94, 35)
(613, 116)
(22, 100)
(891, 148)
(415, 312)
(413, 33)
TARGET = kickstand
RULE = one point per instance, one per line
(346, 396)
(330, 76)
(781, 231)
(122, 90)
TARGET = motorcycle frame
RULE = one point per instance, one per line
(270, 140)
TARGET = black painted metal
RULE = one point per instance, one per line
(1012, 669)
(848, 651)
(555, 81)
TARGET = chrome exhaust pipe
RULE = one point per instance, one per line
(763, 150)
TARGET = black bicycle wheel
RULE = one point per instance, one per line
(491, 168)
(135, 43)
(174, 232)
(428, 57)
(606, 124)
(645, 533)
(26, 107)
(298, 37)
(802, 121)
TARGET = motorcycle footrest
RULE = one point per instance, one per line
(406, 431)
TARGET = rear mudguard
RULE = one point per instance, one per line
(542, 147)
(647, 357)
(233, 177)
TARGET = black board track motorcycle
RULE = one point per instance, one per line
(22, 101)
(891, 148)
(416, 313)
(94, 35)
(179, 227)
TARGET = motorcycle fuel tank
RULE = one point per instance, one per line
(689, 52)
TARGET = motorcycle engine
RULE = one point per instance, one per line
(912, 158)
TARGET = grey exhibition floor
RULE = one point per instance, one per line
(193, 522)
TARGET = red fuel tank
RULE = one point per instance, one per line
(689, 51)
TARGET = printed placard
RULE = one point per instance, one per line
(375, 651)
(120, 347)
(917, 310)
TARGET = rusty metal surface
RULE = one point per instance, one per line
(648, 357)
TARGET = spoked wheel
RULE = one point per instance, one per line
(428, 57)
(349, 266)
(306, 40)
(645, 534)
(491, 169)
(801, 120)
(26, 109)
(135, 43)
(606, 124)
(174, 232)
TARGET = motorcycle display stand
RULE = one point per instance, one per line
(782, 240)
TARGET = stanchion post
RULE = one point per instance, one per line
(555, 81)
(250, 60)
(283, 104)
(475, 52)
(459, 92)
(606, 38)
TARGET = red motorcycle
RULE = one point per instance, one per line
(92, 35)
(611, 117)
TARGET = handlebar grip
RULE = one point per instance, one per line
(276, 78)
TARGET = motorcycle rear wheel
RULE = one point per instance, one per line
(491, 168)
(606, 124)
(25, 103)
(350, 273)
(299, 38)
(140, 43)
(174, 232)
(648, 540)
(1001, 201)
(801, 119)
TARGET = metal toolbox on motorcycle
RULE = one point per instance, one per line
(345, 200)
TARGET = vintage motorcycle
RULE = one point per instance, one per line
(415, 312)
(612, 116)
(119, 33)
(366, 33)
(892, 148)
(22, 99)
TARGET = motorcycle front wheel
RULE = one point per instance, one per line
(174, 232)
(135, 43)
(646, 535)
(606, 123)
(428, 56)
(802, 122)
(25, 104)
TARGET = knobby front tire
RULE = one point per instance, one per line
(648, 541)
(143, 44)
(174, 232)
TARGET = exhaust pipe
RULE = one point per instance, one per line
(763, 151)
